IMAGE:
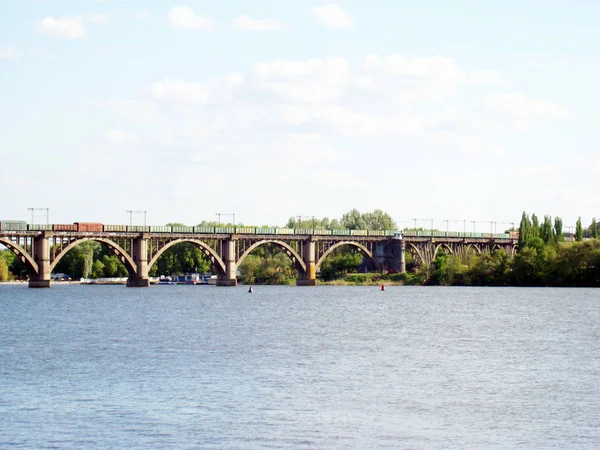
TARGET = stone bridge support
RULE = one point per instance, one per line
(41, 256)
(391, 255)
(308, 278)
(140, 277)
(229, 278)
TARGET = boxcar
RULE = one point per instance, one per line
(206, 230)
(65, 227)
(89, 227)
(39, 227)
(284, 231)
(13, 225)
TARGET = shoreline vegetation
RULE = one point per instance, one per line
(546, 257)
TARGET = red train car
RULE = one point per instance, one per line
(89, 227)
(65, 227)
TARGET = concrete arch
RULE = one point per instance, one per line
(474, 247)
(130, 265)
(361, 248)
(300, 266)
(21, 253)
(445, 246)
(415, 251)
(208, 251)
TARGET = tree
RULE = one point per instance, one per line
(594, 228)
(377, 220)
(4, 273)
(578, 230)
(558, 229)
(524, 230)
(535, 226)
(546, 230)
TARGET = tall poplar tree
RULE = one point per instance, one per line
(524, 230)
(535, 226)
(578, 230)
(558, 229)
(546, 231)
(594, 228)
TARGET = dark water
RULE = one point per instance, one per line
(287, 367)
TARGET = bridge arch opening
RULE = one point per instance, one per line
(91, 258)
(181, 256)
(22, 264)
(270, 262)
(342, 258)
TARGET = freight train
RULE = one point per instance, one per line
(93, 227)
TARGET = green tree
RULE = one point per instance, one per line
(340, 262)
(535, 226)
(524, 230)
(267, 264)
(376, 220)
(4, 273)
(594, 228)
(547, 231)
(578, 230)
(558, 229)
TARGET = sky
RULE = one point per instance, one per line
(464, 112)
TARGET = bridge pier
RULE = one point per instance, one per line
(229, 278)
(140, 256)
(308, 278)
(41, 256)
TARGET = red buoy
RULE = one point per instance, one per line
(383, 287)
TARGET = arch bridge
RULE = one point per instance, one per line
(41, 251)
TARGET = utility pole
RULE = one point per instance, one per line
(46, 210)
(132, 212)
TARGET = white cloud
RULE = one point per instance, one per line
(521, 107)
(249, 24)
(308, 81)
(174, 90)
(185, 17)
(332, 16)
(71, 27)
(62, 28)
(141, 15)
(10, 53)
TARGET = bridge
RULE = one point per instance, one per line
(40, 248)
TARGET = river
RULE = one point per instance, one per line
(287, 367)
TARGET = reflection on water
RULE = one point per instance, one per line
(287, 367)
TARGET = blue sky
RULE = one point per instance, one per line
(463, 110)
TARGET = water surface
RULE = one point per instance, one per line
(288, 367)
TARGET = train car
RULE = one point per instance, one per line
(65, 227)
(340, 232)
(322, 232)
(204, 230)
(358, 233)
(89, 227)
(13, 225)
(302, 231)
(183, 230)
(265, 230)
(39, 227)
(376, 233)
(284, 231)
(160, 229)
(513, 234)
(224, 230)
(244, 230)
(115, 228)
